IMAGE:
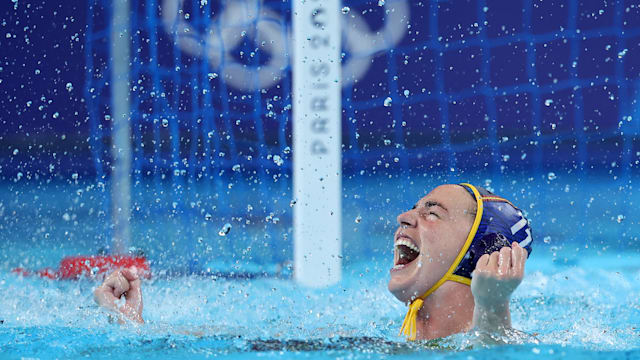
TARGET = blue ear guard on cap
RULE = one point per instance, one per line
(501, 223)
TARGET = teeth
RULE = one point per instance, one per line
(408, 244)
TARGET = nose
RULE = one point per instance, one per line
(407, 219)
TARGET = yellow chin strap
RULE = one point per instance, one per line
(409, 324)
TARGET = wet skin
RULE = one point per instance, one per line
(438, 225)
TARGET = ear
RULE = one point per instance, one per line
(489, 243)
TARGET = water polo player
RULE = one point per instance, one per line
(453, 232)
(459, 253)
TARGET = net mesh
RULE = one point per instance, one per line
(438, 87)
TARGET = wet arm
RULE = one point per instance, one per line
(495, 278)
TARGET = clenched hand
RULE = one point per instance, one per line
(495, 278)
(120, 283)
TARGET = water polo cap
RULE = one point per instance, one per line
(497, 223)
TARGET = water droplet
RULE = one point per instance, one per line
(15, 152)
(345, 10)
(165, 122)
(380, 2)
(620, 218)
(208, 216)
(287, 150)
(69, 87)
(406, 93)
(387, 101)
(225, 230)
(622, 53)
(547, 239)
(66, 217)
(358, 219)
(551, 176)
(278, 160)
(292, 202)
(56, 115)
(548, 102)
(387, 142)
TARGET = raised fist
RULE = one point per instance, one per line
(124, 282)
(495, 278)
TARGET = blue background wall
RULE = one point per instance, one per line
(488, 78)
(530, 98)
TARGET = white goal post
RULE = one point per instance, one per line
(121, 127)
(317, 163)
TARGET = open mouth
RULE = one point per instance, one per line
(407, 252)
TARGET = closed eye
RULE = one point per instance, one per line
(431, 213)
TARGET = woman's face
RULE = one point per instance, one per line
(428, 239)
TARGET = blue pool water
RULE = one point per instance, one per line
(537, 100)
(579, 297)
(587, 308)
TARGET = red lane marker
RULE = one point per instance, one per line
(74, 267)
(21, 271)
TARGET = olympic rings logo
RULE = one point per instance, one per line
(271, 33)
